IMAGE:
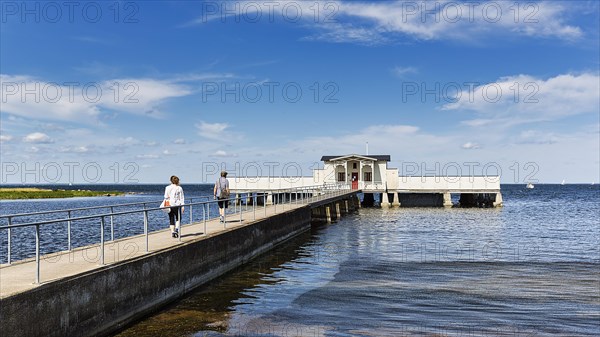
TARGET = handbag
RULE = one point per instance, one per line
(224, 194)
(167, 204)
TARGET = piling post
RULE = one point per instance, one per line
(447, 199)
(385, 202)
(498, 200)
(396, 202)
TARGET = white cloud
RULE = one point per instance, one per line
(522, 99)
(223, 154)
(536, 137)
(470, 146)
(6, 138)
(147, 156)
(401, 72)
(452, 20)
(47, 101)
(128, 141)
(38, 138)
(74, 149)
(86, 103)
(179, 141)
(141, 96)
(381, 22)
(412, 142)
(340, 33)
(214, 131)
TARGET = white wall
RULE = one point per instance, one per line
(448, 183)
(381, 176)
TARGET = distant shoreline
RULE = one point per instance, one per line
(42, 193)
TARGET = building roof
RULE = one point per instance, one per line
(360, 156)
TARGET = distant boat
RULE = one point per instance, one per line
(529, 185)
(563, 182)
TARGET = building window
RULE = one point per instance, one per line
(354, 166)
(368, 176)
(341, 176)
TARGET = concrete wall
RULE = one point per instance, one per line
(99, 302)
(448, 183)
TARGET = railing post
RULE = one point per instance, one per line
(179, 215)
(225, 214)
(204, 217)
(265, 202)
(191, 217)
(37, 254)
(254, 200)
(112, 227)
(69, 230)
(9, 235)
(146, 229)
(102, 240)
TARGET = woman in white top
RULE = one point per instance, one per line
(174, 194)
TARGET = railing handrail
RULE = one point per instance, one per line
(94, 216)
(86, 208)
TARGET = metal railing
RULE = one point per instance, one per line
(275, 197)
(70, 212)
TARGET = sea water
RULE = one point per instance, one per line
(531, 268)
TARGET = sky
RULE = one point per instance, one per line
(134, 92)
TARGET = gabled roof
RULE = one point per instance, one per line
(357, 156)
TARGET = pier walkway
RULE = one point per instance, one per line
(98, 289)
(20, 276)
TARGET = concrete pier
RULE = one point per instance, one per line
(80, 297)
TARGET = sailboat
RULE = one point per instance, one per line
(563, 182)
(529, 185)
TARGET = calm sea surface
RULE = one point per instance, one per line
(531, 268)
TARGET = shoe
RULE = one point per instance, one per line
(175, 234)
(221, 219)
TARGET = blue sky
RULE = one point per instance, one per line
(137, 91)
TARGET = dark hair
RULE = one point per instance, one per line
(175, 180)
(223, 174)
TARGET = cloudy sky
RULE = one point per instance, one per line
(137, 91)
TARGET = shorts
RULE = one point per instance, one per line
(223, 202)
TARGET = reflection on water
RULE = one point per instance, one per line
(525, 270)
(210, 307)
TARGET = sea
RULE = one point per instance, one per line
(530, 268)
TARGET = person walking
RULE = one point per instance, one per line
(221, 193)
(174, 195)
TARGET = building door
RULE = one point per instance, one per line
(354, 180)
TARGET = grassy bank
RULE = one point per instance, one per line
(40, 193)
